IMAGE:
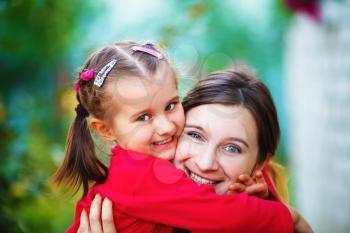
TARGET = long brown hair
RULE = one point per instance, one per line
(81, 164)
(239, 86)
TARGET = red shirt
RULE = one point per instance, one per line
(149, 194)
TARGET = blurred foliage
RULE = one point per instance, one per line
(225, 32)
(39, 40)
(35, 38)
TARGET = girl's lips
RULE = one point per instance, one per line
(200, 179)
(161, 142)
(164, 144)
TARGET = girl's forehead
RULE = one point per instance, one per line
(132, 88)
(137, 94)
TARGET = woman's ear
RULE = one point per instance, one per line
(102, 129)
(263, 164)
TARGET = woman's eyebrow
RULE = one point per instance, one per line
(239, 140)
(195, 126)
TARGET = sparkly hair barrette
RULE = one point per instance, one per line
(101, 76)
(151, 51)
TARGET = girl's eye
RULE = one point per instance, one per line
(170, 107)
(195, 135)
(232, 149)
(143, 117)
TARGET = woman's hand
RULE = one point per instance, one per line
(99, 221)
(256, 186)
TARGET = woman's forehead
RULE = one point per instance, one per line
(223, 121)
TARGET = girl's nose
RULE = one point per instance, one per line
(207, 161)
(164, 126)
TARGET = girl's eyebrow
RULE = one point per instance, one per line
(143, 111)
(139, 113)
(175, 98)
(239, 140)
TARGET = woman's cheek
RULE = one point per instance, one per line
(233, 168)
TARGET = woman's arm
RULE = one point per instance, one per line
(99, 221)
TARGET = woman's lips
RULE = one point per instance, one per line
(199, 179)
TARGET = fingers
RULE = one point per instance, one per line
(107, 217)
(257, 190)
(252, 186)
(95, 214)
(259, 177)
(262, 189)
(84, 226)
(236, 188)
(246, 180)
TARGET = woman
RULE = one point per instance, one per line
(231, 129)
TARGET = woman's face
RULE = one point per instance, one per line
(218, 144)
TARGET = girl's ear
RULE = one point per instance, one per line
(102, 129)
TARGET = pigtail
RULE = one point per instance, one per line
(81, 164)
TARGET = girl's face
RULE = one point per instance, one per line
(149, 117)
(218, 144)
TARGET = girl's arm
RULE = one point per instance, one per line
(154, 190)
(101, 221)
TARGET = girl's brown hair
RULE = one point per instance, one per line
(81, 164)
(238, 86)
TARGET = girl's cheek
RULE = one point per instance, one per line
(183, 149)
(179, 118)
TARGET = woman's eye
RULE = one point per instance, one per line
(232, 149)
(143, 117)
(170, 107)
(195, 135)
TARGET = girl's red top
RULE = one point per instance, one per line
(151, 195)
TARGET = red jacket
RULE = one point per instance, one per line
(149, 194)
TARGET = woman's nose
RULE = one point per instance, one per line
(207, 161)
(164, 126)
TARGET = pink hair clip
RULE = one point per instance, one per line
(149, 51)
(87, 74)
(76, 86)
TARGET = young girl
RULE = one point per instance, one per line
(130, 92)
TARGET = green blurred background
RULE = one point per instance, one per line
(43, 42)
